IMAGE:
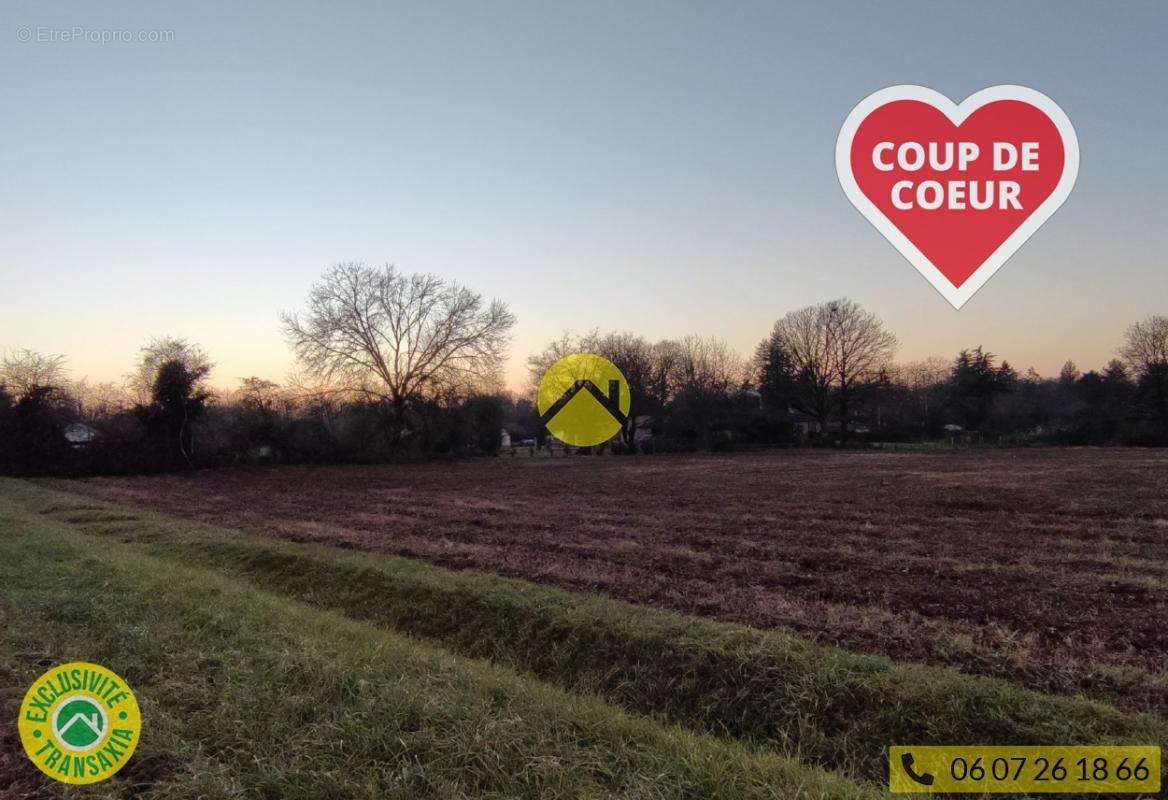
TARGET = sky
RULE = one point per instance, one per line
(660, 167)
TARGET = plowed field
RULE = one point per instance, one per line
(1046, 566)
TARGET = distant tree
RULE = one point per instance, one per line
(34, 409)
(707, 365)
(7, 432)
(657, 382)
(99, 401)
(177, 400)
(860, 348)
(926, 373)
(159, 351)
(800, 345)
(925, 381)
(1007, 377)
(706, 371)
(25, 371)
(1069, 373)
(647, 367)
(1095, 407)
(396, 338)
(1146, 344)
(975, 383)
(1146, 349)
(1152, 390)
(526, 419)
(1119, 387)
(881, 395)
(486, 415)
(259, 404)
(831, 351)
(1117, 373)
(568, 343)
(33, 441)
(774, 373)
(643, 365)
(259, 393)
(1073, 396)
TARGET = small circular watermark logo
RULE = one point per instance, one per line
(583, 400)
(24, 34)
(79, 723)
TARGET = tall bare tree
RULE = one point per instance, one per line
(397, 338)
(859, 347)
(1146, 349)
(648, 367)
(1146, 345)
(832, 350)
(801, 339)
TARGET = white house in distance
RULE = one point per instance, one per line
(78, 434)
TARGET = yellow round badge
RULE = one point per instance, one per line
(79, 723)
(583, 400)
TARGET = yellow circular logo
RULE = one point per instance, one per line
(583, 400)
(79, 723)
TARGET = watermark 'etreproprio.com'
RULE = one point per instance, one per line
(47, 34)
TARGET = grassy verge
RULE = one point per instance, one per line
(823, 704)
(247, 694)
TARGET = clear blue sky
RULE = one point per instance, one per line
(660, 167)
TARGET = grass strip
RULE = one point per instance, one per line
(248, 694)
(824, 704)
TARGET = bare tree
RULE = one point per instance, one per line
(397, 338)
(1146, 349)
(25, 371)
(1146, 345)
(261, 393)
(707, 366)
(859, 349)
(649, 369)
(928, 373)
(833, 349)
(567, 344)
(704, 373)
(925, 379)
(99, 401)
(802, 339)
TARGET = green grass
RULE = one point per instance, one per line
(823, 704)
(246, 693)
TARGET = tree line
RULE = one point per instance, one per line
(394, 365)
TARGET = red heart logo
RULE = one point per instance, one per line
(957, 188)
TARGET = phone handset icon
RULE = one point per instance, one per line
(906, 761)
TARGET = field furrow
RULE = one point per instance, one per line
(1047, 567)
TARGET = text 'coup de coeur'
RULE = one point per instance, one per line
(958, 194)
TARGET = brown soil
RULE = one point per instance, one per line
(1048, 566)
